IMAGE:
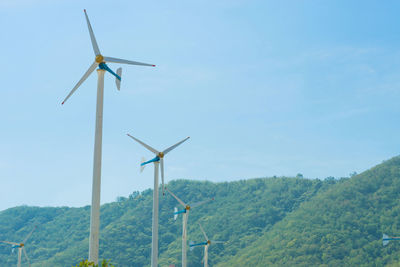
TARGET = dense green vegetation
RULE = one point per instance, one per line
(269, 221)
(342, 226)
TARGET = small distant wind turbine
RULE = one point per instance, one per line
(386, 239)
(100, 61)
(185, 217)
(21, 247)
(158, 159)
(206, 244)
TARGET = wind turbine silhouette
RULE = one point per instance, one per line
(158, 159)
(100, 61)
(185, 217)
(21, 248)
(206, 244)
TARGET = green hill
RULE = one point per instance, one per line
(341, 226)
(268, 221)
(242, 211)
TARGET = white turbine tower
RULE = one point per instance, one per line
(206, 244)
(21, 248)
(158, 159)
(185, 217)
(100, 61)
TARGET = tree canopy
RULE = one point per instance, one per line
(275, 221)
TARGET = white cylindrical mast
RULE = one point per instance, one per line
(96, 184)
(206, 255)
(154, 243)
(184, 237)
(19, 256)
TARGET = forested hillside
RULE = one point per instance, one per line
(268, 221)
(241, 212)
(341, 226)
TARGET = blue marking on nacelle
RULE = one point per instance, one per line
(198, 244)
(181, 211)
(391, 238)
(157, 158)
(104, 66)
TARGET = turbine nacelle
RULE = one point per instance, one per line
(99, 59)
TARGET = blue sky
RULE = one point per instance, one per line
(262, 88)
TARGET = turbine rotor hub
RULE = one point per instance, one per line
(21, 245)
(187, 207)
(161, 155)
(208, 242)
(99, 59)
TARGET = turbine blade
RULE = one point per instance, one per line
(204, 233)
(172, 147)
(177, 198)
(194, 205)
(26, 256)
(124, 61)
(145, 145)
(162, 175)
(11, 243)
(85, 76)
(29, 235)
(92, 38)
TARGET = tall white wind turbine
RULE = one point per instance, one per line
(185, 217)
(206, 244)
(21, 248)
(100, 61)
(158, 159)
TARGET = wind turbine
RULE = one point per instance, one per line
(100, 61)
(21, 248)
(386, 239)
(185, 217)
(158, 159)
(206, 244)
